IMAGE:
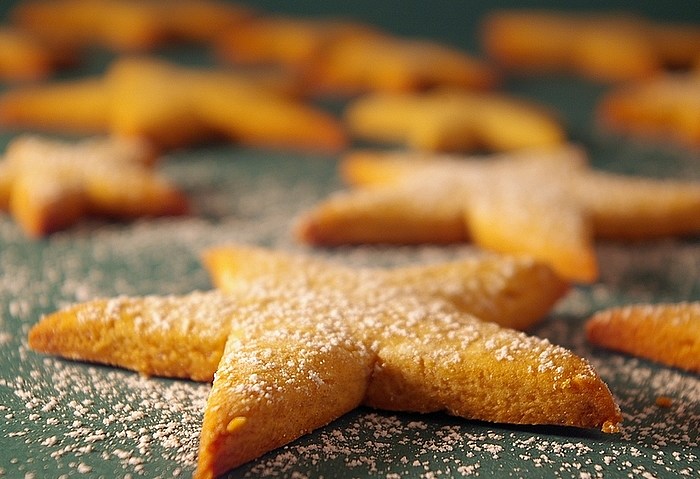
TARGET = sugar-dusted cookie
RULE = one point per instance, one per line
(453, 120)
(301, 353)
(544, 203)
(665, 108)
(306, 346)
(48, 185)
(513, 292)
(384, 62)
(24, 57)
(174, 106)
(603, 46)
(127, 24)
(667, 333)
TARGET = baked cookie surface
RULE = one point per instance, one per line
(665, 108)
(174, 106)
(127, 25)
(513, 292)
(608, 47)
(48, 185)
(323, 349)
(25, 58)
(454, 120)
(667, 333)
(548, 204)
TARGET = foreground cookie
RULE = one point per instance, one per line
(666, 333)
(513, 292)
(665, 108)
(321, 354)
(299, 354)
(127, 24)
(174, 106)
(453, 120)
(547, 204)
(602, 46)
(49, 185)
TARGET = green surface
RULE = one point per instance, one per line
(61, 418)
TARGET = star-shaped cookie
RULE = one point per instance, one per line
(49, 185)
(174, 106)
(300, 352)
(545, 203)
(512, 292)
(390, 63)
(283, 40)
(127, 25)
(666, 107)
(606, 46)
(453, 120)
(339, 56)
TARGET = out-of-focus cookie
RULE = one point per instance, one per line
(453, 120)
(342, 57)
(25, 58)
(666, 333)
(125, 25)
(548, 204)
(173, 106)
(75, 106)
(384, 62)
(602, 46)
(176, 106)
(49, 185)
(290, 42)
(665, 108)
(510, 291)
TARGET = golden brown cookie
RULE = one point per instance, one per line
(453, 120)
(666, 333)
(272, 365)
(75, 106)
(49, 185)
(299, 354)
(179, 337)
(665, 108)
(291, 42)
(127, 24)
(602, 46)
(174, 106)
(548, 204)
(384, 62)
(337, 56)
(24, 57)
(513, 292)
